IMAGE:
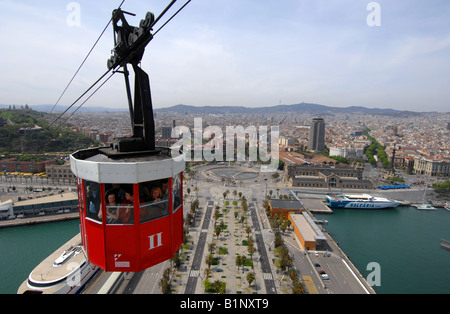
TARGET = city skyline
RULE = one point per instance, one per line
(246, 53)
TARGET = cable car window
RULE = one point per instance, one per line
(93, 200)
(119, 204)
(176, 188)
(153, 200)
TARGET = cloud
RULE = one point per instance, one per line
(246, 52)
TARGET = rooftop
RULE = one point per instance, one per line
(286, 204)
(307, 227)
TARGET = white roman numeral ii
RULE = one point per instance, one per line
(158, 241)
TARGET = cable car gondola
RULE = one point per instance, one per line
(130, 193)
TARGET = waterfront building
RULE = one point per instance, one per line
(432, 167)
(293, 171)
(317, 135)
(325, 177)
(307, 231)
(284, 207)
(52, 204)
(6, 209)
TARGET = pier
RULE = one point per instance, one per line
(45, 209)
(38, 220)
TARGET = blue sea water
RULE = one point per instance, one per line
(23, 248)
(404, 241)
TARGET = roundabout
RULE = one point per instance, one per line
(234, 173)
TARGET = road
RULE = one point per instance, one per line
(198, 256)
(265, 263)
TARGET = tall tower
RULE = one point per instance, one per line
(317, 135)
(166, 132)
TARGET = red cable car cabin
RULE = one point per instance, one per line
(131, 209)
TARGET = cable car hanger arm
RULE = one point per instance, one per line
(130, 43)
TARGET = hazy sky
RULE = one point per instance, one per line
(251, 53)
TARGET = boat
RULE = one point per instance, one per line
(447, 206)
(66, 271)
(425, 207)
(363, 201)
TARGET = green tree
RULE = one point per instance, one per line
(250, 278)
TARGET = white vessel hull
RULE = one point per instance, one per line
(425, 207)
(57, 275)
(363, 201)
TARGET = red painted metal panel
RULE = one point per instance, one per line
(95, 243)
(137, 244)
(121, 248)
(156, 242)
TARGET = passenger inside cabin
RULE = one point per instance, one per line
(93, 200)
(156, 194)
(144, 193)
(155, 206)
(126, 209)
(112, 208)
(165, 190)
(117, 190)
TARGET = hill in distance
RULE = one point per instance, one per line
(17, 135)
(297, 108)
(306, 108)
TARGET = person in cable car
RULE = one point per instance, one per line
(156, 194)
(126, 216)
(93, 200)
(165, 190)
(112, 216)
(118, 191)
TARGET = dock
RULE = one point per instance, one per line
(52, 208)
(38, 220)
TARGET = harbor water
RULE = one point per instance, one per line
(405, 242)
(23, 248)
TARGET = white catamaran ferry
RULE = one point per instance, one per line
(363, 201)
(66, 271)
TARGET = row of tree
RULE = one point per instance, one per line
(285, 261)
(376, 149)
(442, 187)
